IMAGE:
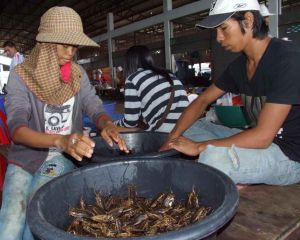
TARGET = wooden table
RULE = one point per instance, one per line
(265, 213)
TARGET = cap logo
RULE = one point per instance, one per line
(240, 5)
(212, 6)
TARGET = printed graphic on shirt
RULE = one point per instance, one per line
(279, 134)
(58, 119)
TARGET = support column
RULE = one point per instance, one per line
(167, 34)
(111, 48)
(274, 7)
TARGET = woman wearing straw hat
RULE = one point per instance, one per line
(45, 100)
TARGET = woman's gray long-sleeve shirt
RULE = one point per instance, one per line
(23, 108)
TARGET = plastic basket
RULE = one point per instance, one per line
(109, 107)
(117, 116)
(232, 116)
(2, 99)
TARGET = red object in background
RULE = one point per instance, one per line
(4, 132)
(3, 166)
(105, 77)
(4, 140)
(237, 101)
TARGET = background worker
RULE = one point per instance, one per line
(154, 98)
(11, 51)
(264, 11)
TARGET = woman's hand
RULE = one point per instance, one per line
(110, 134)
(186, 146)
(76, 145)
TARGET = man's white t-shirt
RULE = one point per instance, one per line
(17, 59)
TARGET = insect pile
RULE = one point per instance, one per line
(134, 216)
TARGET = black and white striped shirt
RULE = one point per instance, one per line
(147, 95)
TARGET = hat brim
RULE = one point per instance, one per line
(78, 39)
(268, 14)
(213, 21)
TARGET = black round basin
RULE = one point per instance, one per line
(47, 212)
(141, 145)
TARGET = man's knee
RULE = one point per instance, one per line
(218, 157)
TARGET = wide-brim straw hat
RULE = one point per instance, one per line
(63, 25)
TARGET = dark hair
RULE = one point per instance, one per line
(260, 28)
(139, 56)
(9, 44)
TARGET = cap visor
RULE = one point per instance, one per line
(213, 21)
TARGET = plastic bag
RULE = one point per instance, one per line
(230, 99)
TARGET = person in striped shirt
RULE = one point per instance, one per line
(148, 92)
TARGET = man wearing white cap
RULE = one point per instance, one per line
(266, 74)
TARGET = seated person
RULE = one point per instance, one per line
(46, 96)
(148, 94)
(266, 75)
(4, 91)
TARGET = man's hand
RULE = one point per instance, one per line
(166, 145)
(186, 146)
(110, 134)
(76, 145)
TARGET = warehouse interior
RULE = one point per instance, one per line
(167, 28)
(136, 22)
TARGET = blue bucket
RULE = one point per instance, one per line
(87, 122)
(117, 116)
(2, 99)
(109, 108)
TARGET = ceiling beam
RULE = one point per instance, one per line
(175, 13)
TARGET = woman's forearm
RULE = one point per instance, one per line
(32, 138)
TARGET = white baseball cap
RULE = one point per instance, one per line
(264, 11)
(221, 10)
